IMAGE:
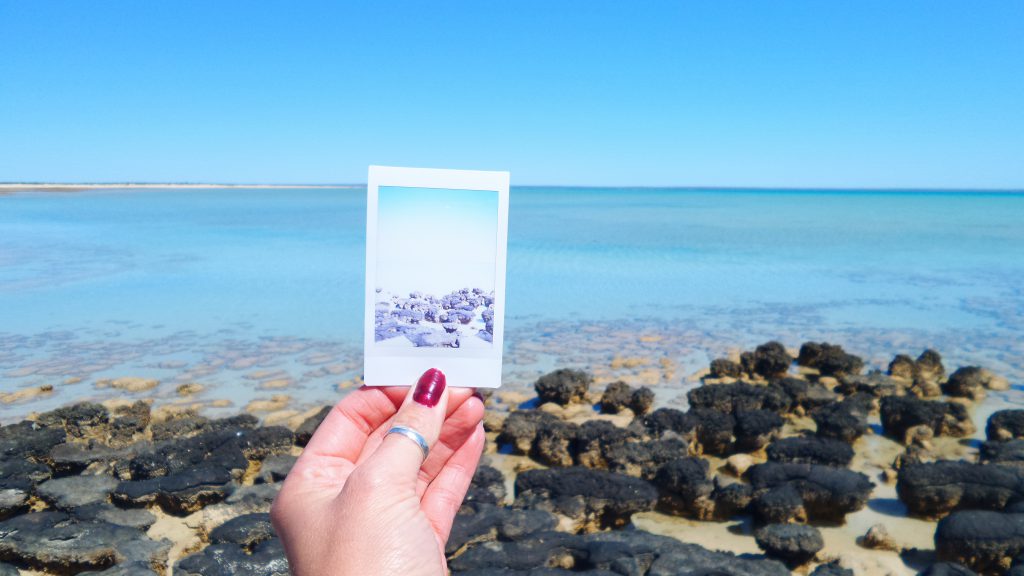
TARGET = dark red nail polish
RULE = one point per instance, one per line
(429, 388)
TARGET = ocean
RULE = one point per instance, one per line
(258, 292)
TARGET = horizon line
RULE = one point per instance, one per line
(87, 185)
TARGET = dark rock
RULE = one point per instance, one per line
(811, 450)
(616, 397)
(903, 366)
(75, 457)
(685, 487)
(864, 402)
(266, 559)
(224, 447)
(276, 468)
(844, 421)
(809, 354)
(725, 368)
(675, 558)
(808, 395)
(643, 458)
(732, 499)
(265, 441)
(255, 498)
(823, 492)
(832, 569)
(966, 382)
(15, 498)
(595, 438)
(984, 541)
(128, 422)
(246, 530)
(834, 361)
(53, 541)
(755, 429)
(874, 383)
(520, 429)
(1005, 425)
(305, 430)
(670, 421)
(714, 431)
(594, 498)
(795, 544)
(481, 522)
(138, 568)
(540, 550)
(929, 365)
(552, 445)
(137, 518)
(747, 362)
(947, 569)
(75, 491)
(1008, 453)
(180, 426)
(901, 413)
(77, 420)
(641, 401)
(629, 552)
(18, 479)
(190, 424)
(738, 397)
(933, 489)
(181, 493)
(829, 359)
(781, 504)
(20, 469)
(487, 486)
(29, 440)
(771, 360)
(563, 386)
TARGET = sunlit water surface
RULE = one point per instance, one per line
(257, 292)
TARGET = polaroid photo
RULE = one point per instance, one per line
(435, 275)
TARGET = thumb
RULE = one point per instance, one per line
(423, 411)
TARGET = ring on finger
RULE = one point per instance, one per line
(412, 435)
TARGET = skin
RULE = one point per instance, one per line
(357, 502)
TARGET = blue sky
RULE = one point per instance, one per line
(716, 93)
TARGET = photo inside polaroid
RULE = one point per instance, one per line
(436, 245)
(436, 268)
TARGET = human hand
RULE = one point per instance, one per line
(361, 501)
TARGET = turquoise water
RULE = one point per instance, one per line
(181, 284)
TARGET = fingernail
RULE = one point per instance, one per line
(429, 388)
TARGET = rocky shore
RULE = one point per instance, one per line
(778, 455)
(457, 319)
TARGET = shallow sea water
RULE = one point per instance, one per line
(258, 292)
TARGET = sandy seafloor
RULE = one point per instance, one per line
(255, 295)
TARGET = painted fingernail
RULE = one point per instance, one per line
(429, 388)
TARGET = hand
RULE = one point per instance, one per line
(360, 502)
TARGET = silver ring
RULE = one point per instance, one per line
(412, 435)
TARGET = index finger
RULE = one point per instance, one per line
(344, 431)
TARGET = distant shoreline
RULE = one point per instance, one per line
(7, 188)
(53, 187)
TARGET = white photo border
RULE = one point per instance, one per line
(479, 368)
